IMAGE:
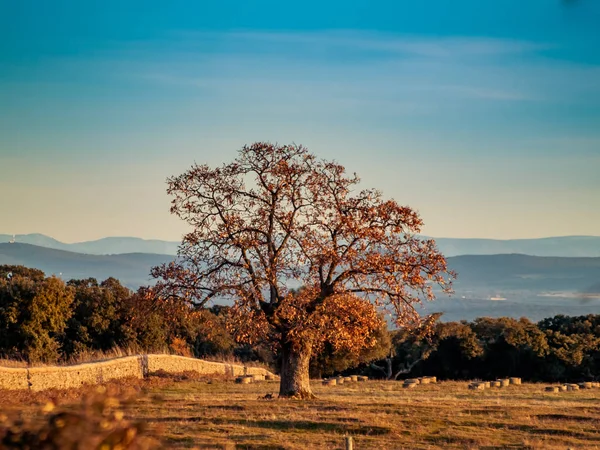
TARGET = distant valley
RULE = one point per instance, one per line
(522, 285)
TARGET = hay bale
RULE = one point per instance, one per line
(424, 380)
(413, 380)
(340, 380)
(246, 379)
(585, 385)
(477, 386)
(409, 385)
(354, 378)
(331, 382)
(488, 384)
(515, 380)
(269, 377)
(432, 379)
(504, 382)
(572, 387)
(496, 384)
(363, 378)
(347, 379)
(596, 384)
(552, 389)
(258, 377)
(562, 388)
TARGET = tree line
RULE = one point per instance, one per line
(44, 319)
(559, 348)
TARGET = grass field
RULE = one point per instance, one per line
(220, 414)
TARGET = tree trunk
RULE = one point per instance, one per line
(295, 379)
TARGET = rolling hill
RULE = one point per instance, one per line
(131, 268)
(523, 272)
(104, 246)
(528, 286)
(566, 246)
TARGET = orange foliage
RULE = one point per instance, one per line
(180, 347)
(279, 216)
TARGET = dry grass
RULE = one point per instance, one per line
(206, 413)
(82, 357)
(119, 352)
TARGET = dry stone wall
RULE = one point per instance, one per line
(70, 377)
(11, 378)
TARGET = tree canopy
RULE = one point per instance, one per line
(277, 217)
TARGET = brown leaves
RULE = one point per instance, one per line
(278, 216)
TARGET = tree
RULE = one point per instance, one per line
(329, 360)
(33, 314)
(96, 321)
(276, 217)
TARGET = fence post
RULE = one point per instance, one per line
(349, 443)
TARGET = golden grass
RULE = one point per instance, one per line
(219, 414)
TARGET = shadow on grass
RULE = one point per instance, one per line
(567, 418)
(549, 431)
(226, 407)
(285, 425)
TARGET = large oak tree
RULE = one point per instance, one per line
(277, 217)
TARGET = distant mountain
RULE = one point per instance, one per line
(133, 269)
(566, 246)
(526, 273)
(105, 246)
(528, 286)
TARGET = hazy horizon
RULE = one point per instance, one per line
(485, 119)
(179, 240)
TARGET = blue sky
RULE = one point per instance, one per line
(484, 116)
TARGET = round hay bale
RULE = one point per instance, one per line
(424, 380)
(340, 380)
(363, 378)
(354, 378)
(269, 377)
(331, 382)
(515, 380)
(244, 380)
(477, 386)
(409, 385)
(488, 384)
(596, 384)
(412, 380)
(572, 387)
(258, 377)
(347, 379)
(496, 384)
(552, 389)
(432, 379)
(504, 382)
(562, 388)
(585, 385)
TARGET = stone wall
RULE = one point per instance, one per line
(11, 378)
(70, 377)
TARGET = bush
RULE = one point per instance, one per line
(33, 315)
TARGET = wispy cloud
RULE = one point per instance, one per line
(447, 47)
(370, 65)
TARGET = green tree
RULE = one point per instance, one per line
(330, 360)
(96, 323)
(33, 315)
